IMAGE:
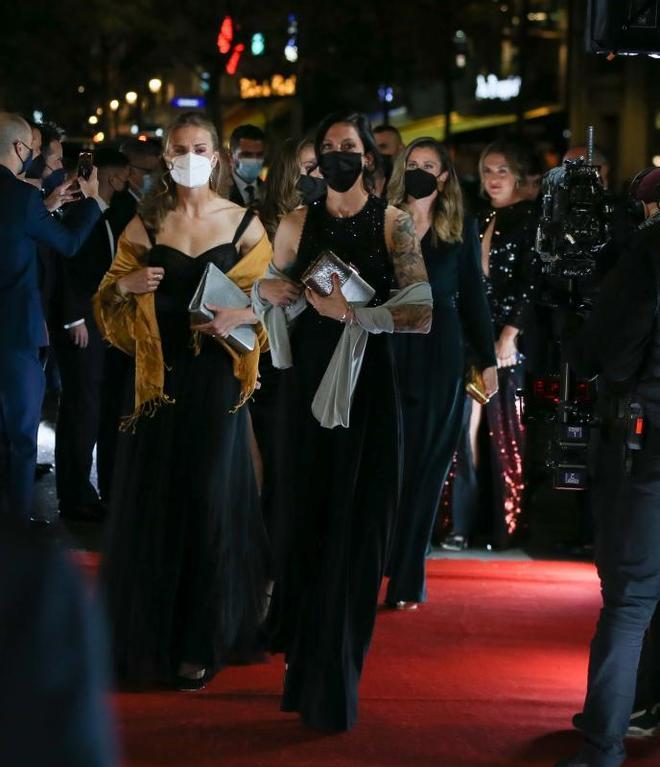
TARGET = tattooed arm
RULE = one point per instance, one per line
(403, 245)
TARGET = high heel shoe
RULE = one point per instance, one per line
(454, 542)
(188, 682)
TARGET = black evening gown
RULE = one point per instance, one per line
(431, 377)
(338, 501)
(185, 559)
(510, 288)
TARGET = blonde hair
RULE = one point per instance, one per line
(158, 203)
(282, 194)
(448, 209)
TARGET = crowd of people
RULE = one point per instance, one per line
(255, 498)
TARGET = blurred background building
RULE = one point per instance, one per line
(463, 70)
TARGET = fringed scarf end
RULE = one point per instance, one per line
(147, 409)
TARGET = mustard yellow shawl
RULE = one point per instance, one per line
(130, 324)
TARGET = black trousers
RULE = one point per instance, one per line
(265, 413)
(648, 674)
(117, 368)
(627, 511)
(81, 371)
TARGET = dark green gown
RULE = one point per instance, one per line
(431, 378)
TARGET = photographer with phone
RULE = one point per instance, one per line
(621, 343)
(24, 222)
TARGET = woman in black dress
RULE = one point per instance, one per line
(431, 368)
(510, 272)
(184, 563)
(339, 498)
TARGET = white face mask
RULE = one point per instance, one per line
(191, 170)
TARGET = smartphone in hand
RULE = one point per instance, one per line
(85, 165)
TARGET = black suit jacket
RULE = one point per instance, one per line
(53, 659)
(24, 221)
(82, 274)
(236, 197)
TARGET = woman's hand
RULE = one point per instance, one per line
(489, 376)
(506, 350)
(334, 306)
(279, 292)
(225, 320)
(141, 281)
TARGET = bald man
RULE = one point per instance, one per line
(24, 222)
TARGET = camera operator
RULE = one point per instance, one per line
(621, 343)
(24, 221)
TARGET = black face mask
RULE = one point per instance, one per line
(56, 178)
(36, 167)
(388, 165)
(25, 162)
(341, 169)
(311, 188)
(420, 183)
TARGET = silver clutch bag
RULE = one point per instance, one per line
(217, 289)
(318, 277)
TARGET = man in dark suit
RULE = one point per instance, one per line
(53, 659)
(81, 350)
(247, 148)
(24, 221)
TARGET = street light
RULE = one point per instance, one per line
(93, 120)
(99, 111)
(155, 84)
(114, 105)
(99, 137)
(131, 97)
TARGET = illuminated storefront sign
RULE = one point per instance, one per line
(278, 85)
(492, 88)
(189, 102)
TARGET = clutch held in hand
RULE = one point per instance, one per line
(216, 289)
(318, 277)
(475, 386)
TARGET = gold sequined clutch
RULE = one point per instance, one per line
(318, 277)
(475, 386)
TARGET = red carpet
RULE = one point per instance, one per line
(487, 673)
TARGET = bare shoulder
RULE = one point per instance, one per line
(135, 232)
(287, 238)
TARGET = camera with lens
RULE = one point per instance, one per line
(574, 228)
(575, 223)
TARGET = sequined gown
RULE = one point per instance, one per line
(431, 374)
(339, 495)
(497, 487)
(185, 557)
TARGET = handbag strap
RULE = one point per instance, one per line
(245, 222)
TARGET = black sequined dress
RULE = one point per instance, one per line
(510, 287)
(338, 499)
(185, 558)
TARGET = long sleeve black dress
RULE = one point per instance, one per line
(338, 497)
(431, 377)
(510, 287)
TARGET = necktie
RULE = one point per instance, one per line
(249, 189)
